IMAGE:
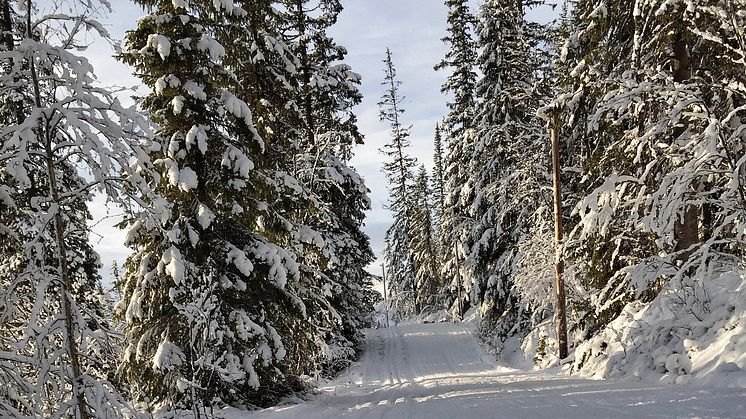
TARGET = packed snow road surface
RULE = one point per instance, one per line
(439, 371)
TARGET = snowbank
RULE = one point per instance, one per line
(687, 334)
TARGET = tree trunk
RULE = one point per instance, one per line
(66, 283)
(685, 227)
(303, 42)
(458, 282)
(7, 26)
(707, 222)
(44, 135)
(385, 300)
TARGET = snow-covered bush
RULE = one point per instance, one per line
(674, 338)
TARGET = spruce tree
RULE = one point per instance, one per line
(210, 294)
(398, 253)
(438, 181)
(454, 222)
(267, 68)
(438, 205)
(326, 93)
(424, 253)
(508, 166)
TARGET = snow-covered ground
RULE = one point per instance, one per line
(440, 371)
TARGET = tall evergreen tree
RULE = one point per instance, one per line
(424, 253)
(438, 179)
(454, 222)
(326, 93)
(398, 169)
(211, 290)
(509, 164)
(267, 68)
(439, 210)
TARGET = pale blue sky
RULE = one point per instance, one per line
(411, 28)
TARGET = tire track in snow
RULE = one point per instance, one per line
(395, 355)
(395, 391)
(391, 364)
(434, 371)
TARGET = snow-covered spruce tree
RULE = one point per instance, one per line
(266, 69)
(326, 91)
(400, 265)
(508, 167)
(438, 181)
(209, 292)
(56, 353)
(653, 108)
(424, 254)
(327, 88)
(454, 221)
(438, 211)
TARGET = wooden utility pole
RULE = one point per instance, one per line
(559, 263)
(385, 303)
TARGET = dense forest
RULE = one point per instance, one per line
(646, 100)
(244, 217)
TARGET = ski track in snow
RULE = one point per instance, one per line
(439, 370)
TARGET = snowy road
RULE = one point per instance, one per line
(439, 371)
